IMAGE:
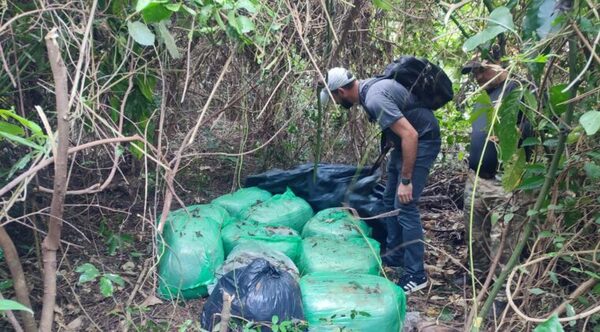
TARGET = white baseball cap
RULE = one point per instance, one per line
(336, 78)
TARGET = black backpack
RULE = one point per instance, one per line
(428, 82)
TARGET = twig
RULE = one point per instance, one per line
(226, 311)
(512, 304)
(189, 56)
(19, 282)
(585, 42)
(44, 163)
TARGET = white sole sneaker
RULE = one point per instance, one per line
(412, 287)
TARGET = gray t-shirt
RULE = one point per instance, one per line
(386, 101)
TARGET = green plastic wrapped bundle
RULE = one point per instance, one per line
(278, 238)
(242, 199)
(280, 210)
(335, 222)
(354, 255)
(190, 252)
(352, 302)
(213, 211)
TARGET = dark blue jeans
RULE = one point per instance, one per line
(405, 246)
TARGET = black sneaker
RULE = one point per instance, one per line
(410, 283)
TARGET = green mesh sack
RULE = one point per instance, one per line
(354, 255)
(280, 238)
(242, 199)
(190, 251)
(280, 210)
(335, 222)
(352, 302)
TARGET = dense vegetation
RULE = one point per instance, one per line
(113, 112)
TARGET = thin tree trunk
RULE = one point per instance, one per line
(16, 271)
(51, 242)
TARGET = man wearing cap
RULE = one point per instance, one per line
(415, 134)
(490, 197)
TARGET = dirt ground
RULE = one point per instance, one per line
(117, 224)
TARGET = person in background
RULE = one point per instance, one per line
(490, 197)
(415, 134)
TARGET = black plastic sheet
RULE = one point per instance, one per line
(330, 185)
(260, 292)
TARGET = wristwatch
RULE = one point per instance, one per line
(405, 182)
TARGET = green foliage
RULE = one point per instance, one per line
(499, 21)
(506, 128)
(551, 325)
(540, 19)
(114, 241)
(89, 273)
(140, 33)
(13, 305)
(590, 121)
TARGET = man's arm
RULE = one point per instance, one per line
(410, 139)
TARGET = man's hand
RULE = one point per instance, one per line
(405, 193)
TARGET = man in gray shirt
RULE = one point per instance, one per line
(415, 134)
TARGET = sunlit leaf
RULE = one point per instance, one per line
(13, 305)
(88, 273)
(11, 129)
(106, 287)
(245, 24)
(174, 7)
(550, 325)
(499, 21)
(536, 291)
(20, 140)
(590, 121)
(156, 11)
(382, 4)
(140, 33)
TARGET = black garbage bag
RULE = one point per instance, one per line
(331, 186)
(260, 292)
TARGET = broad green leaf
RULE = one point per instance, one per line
(382, 4)
(245, 24)
(506, 129)
(592, 171)
(11, 129)
(530, 141)
(140, 33)
(536, 291)
(13, 305)
(531, 183)
(106, 287)
(513, 171)
(590, 121)
(35, 129)
(247, 5)
(20, 140)
(141, 4)
(115, 278)
(88, 273)
(189, 10)
(168, 39)
(539, 18)
(155, 12)
(551, 325)
(499, 21)
(146, 84)
(553, 277)
(557, 97)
